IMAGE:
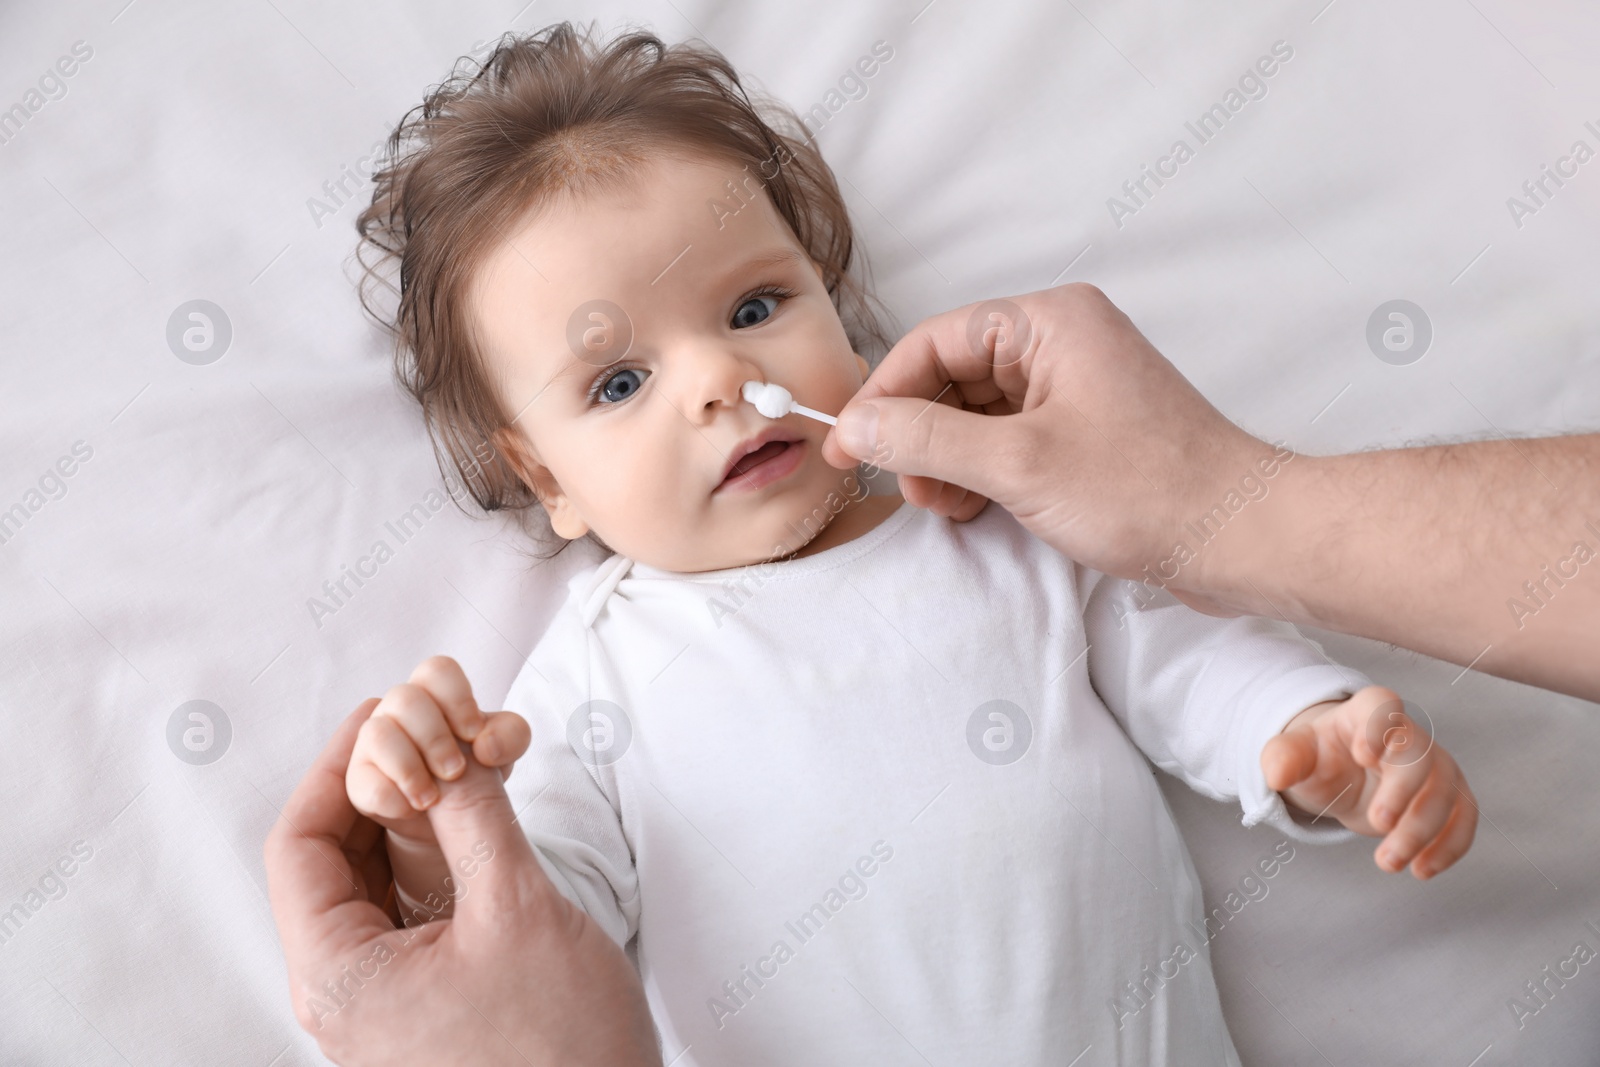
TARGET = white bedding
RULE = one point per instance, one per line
(207, 504)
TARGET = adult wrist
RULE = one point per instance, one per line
(1267, 559)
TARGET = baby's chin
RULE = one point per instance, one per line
(762, 526)
(802, 519)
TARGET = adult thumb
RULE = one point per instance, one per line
(919, 437)
(489, 857)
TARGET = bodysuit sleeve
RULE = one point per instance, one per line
(566, 805)
(1201, 696)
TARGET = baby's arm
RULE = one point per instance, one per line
(1365, 762)
(1201, 697)
(409, 741)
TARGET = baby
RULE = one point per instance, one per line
(851, 780)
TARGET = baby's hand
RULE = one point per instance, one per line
(1366, 763)
(410, 739)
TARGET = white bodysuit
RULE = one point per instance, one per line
(880, 805)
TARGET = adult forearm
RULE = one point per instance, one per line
(1486, 553)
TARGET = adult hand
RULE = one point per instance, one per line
(1056, 407)
(518, 975)
(1102, 448)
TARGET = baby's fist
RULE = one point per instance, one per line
(411, 739)
(1368, 764)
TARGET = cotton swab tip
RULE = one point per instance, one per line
(774, 402)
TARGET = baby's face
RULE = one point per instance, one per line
(632, 439)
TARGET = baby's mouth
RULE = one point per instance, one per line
(765, 465)
(767, 451)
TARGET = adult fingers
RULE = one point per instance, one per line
(483, 844)
(951, 350)
(971, 507)
(934, 494)
(977, 452)
(443, 677)
(942, 359)
(317, 903)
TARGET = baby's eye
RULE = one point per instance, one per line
(619, 386)
(754, 311)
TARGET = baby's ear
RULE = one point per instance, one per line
(564, 518)
(518, 453)
(866, 368)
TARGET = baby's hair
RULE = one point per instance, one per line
(545, 115)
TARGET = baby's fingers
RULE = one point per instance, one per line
(444, 680)
(1289, 758)
(505, 737)
(1456, 839)
(374, 794)
(392, 752)
(1385, 732)
(1429, 816)
(1401, 777)
(1421, 819)
(419, 715)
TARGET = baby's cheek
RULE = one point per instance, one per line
(666, 505)
(844, 385)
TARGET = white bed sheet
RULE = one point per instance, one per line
(216, 499)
